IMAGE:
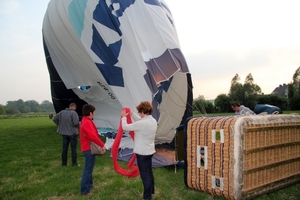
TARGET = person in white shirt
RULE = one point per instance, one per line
(241, 109)
(144, 127)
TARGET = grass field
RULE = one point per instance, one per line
(31, 169)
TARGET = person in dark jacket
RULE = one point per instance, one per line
(67, 122)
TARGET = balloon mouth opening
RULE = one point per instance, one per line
(84, 87)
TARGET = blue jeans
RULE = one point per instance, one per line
(145, 168)
(67, 139)
(87, 179)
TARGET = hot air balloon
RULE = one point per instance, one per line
(114, 54)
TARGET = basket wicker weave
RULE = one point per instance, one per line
(242, 157)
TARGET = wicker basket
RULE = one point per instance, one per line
(242, 157)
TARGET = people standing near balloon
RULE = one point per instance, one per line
(88, 133)
(241, 110)
(67, 122)
(144, 127)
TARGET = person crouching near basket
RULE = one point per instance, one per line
(144, 127)
(88, 133)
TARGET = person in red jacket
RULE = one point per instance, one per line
(88, 133)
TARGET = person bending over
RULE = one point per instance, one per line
(241, 110)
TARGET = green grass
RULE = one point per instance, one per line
(30, 168)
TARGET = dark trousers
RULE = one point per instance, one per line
(67, 139)
(145, 168)
(87, 178)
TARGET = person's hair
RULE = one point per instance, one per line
(145, 107)
(72, 104)
(235, 104)
(86, 109)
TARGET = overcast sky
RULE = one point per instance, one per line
(218, 39)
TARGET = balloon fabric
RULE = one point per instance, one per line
(114, 54)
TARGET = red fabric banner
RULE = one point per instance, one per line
(131, 170)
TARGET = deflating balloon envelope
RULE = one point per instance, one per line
(114, 54)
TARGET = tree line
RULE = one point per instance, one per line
(249, 94)
(20, 106)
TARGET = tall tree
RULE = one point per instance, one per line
(201, 105)
(33, 105)
(2, 109)
(235, 79)
(47, 106)
(290, 90)
(24, 109)
(296, 81)
(251, 91)
(246, 93)
(236, 92)
(222, 103)
(11, 110)
(294, 93)
(15, 104)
